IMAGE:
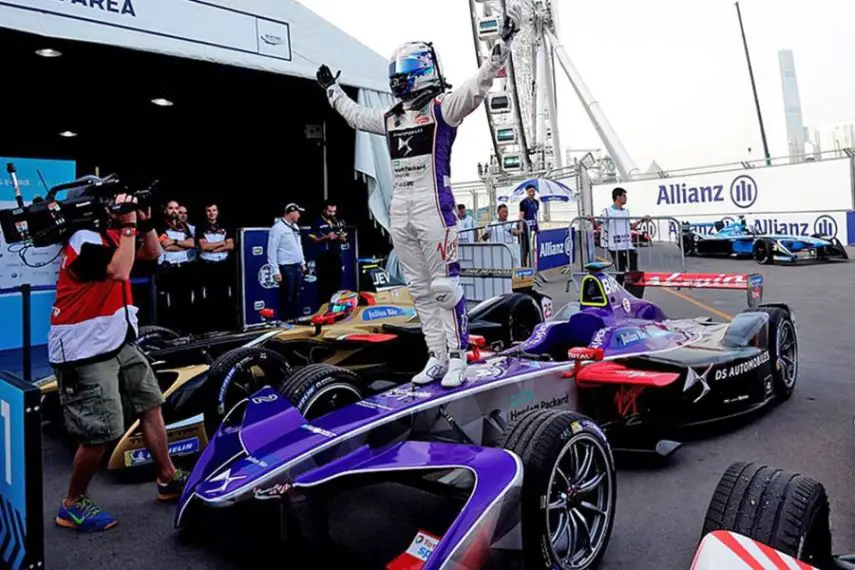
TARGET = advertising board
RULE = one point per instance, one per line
(805, 224)
(553, 248)
(21, 515)
(37, 266)
(260, 291)
(824, 185)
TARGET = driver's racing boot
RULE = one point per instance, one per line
(456, 368)
(435, 369)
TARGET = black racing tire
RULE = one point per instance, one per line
(223, 393)
(524, 315)
(786, 511)
(152, 337)
(547, 441)
(782, 331)
(318, 389)
(762, 252)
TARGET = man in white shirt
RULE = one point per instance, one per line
(503, 231)
(286, 259)
(465, 225)
(616, 234)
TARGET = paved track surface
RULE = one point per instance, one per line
(660, 506)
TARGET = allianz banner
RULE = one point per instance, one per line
(800, 224)
(817, 186)
(553, 248)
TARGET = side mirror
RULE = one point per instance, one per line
(583, 353)
(580, 354)
(476, 343)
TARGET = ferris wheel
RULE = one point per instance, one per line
(522, 105)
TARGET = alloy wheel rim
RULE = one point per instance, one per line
(788, 361)
(329, 398)
(579, 507)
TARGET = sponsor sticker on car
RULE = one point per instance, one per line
(318, 431)
(373, 405)
(422, 546)
(275, 492)
(542, 405)
(135, 457)
(742, 367)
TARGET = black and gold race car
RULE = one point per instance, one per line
(375, 334)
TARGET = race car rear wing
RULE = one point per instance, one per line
(751, 283)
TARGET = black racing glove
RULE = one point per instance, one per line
(325, 77)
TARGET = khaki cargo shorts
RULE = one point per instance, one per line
(92, 394)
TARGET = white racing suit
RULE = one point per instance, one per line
(423, 219)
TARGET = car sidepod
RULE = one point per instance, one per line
(727, 374)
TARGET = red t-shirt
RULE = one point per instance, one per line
(92, 312)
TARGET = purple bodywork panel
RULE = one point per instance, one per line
(623, 326)
(278, 444)
(498, 473)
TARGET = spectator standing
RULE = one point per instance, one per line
(328, 235)
(529, 209)
(215, 245)
(616, 234)
(97, 366)
(465, 225)
(503, 231)
(175, 274)
(286, 259)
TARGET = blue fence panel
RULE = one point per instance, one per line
(260, 291)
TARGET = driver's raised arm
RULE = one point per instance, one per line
(463, 101)
(357, 116)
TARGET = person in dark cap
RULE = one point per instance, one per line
(286, 259)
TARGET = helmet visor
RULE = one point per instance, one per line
(409, 64)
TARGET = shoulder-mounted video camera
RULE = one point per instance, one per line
(89, 203)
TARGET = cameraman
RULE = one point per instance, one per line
(90, 344)
(328, 234)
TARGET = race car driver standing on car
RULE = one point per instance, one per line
(90, 347)
(420, 130)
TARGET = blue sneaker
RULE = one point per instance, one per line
(85, 516)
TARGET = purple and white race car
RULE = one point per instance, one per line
(532, 479)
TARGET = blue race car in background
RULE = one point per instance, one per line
(738, 240)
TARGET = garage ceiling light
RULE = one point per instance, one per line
(68, 134)
(161, 102)
(47, 52)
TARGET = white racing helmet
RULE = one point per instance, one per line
(414, 69)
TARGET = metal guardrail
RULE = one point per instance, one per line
(656, 244)
(515, 233)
